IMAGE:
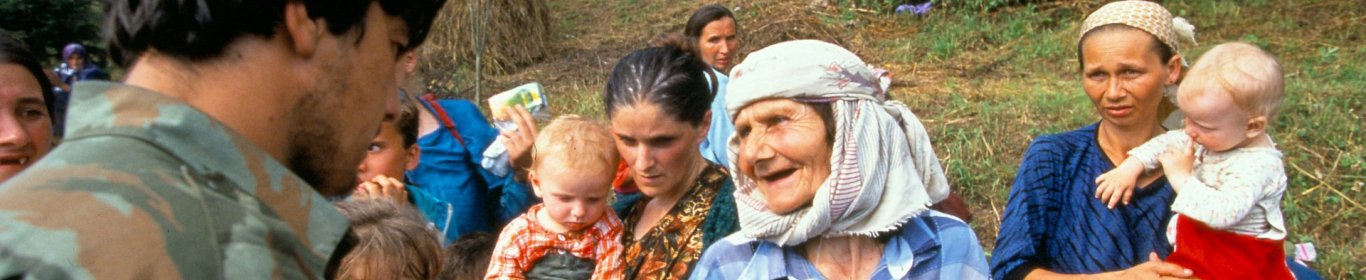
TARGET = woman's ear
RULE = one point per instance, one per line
(1175, 70)
(703, 127)
(414, 155)
(1256, 127)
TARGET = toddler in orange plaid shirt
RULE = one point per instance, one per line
(573, 234)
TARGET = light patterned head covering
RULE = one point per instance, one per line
(882, 170)
(1143, 15)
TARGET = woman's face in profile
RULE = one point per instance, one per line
(783, 149)
(1124, 76)
(25, 125)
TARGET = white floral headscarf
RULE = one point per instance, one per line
(883, 170)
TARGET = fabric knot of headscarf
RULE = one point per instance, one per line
(1175, 32)
(883, 169)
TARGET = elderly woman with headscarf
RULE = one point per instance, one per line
(832, 179)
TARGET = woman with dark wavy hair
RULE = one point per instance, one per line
(25, 108)
(657, 101)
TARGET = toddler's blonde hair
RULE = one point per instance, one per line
(1248, 74)
(571, 141)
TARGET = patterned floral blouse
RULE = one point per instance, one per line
(672, 247)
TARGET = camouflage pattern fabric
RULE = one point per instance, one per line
(147, 187)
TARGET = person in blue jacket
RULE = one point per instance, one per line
(76, 66)
(381, 174)
(449, 168)
(452, 135)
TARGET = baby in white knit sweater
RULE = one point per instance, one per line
(1224, 167)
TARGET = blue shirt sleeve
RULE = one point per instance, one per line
(1020, 242)
(961, 255)
(715, 147)
(726, 259)
(438, 212)
(513, 197)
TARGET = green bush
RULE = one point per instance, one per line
(48, 25)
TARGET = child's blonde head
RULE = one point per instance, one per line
(576, 143)
(1248, 74)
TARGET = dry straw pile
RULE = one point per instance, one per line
(515, 33)
(765, 23)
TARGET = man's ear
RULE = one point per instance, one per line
(414, 156)
(302, 31)
(1256, 127)
(410, 61)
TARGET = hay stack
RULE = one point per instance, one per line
(774, 22)
(517, 32)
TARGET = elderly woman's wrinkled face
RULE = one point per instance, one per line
(659, 147)
(1125, 78)
(783, 149)
(25, 125)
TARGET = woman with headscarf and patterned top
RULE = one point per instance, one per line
(833, 180)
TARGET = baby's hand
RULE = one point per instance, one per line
(1112, 188)
(1117, 186)
(1178, 165)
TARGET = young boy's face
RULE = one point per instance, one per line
(1213, 121)
(386, 155)
(573, 199)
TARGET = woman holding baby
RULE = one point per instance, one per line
(1054, 226)
(657, 100)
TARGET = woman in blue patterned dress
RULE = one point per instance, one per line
(1053, 226)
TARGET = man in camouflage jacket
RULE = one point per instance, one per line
(213, 158)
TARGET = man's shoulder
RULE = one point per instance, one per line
(99, 162)
(75, 211)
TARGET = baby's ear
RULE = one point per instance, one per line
(1256, 126)
(535, 183)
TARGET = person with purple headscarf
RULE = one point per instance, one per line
(76, 66)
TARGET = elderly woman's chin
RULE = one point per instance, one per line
(787, 194)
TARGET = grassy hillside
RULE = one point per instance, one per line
(987, 77)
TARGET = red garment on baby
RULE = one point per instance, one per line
(1215, 254)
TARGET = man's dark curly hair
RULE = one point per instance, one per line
(197, 30)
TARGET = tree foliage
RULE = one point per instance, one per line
(48, 25)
